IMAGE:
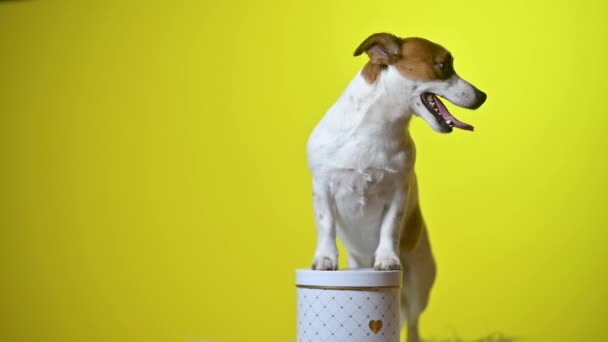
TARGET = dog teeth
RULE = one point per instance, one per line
(433, 104)
(449, 122)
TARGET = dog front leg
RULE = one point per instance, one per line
(326, 254)
(386, 257)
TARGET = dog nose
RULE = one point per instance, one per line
(481, 98)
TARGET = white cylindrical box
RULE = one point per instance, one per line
(348, 305)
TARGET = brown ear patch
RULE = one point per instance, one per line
(382, 48)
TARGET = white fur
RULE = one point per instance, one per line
(358, 155)
(361, 157)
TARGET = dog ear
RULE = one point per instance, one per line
(382, 48)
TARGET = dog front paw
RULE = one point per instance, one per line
(324, 263)
(387, 263)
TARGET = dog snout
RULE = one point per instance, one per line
(481, 98)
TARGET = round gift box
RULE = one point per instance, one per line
(348, 305)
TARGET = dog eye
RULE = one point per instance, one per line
(445, 67)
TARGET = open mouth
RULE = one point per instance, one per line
(441, 113)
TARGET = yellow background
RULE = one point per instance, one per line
(154, 184)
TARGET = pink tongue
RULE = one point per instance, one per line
(448, 116)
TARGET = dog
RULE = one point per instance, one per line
(361, 158)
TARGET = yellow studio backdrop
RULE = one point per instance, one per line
(154, 184)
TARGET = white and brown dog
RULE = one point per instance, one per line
(361, 157)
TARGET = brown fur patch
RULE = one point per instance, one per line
(421, 59)
(371, 71)
(417, 59)
(411, 230)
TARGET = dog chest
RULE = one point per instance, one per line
(362, 194)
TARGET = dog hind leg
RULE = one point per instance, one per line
(419, 272)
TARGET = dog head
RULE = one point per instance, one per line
(430, 67)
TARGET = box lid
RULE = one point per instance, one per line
(355, 278)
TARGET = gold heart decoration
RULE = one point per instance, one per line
(375, 326)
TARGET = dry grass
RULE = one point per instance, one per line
(493, 337)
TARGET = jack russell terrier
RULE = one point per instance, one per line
(361, 157)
